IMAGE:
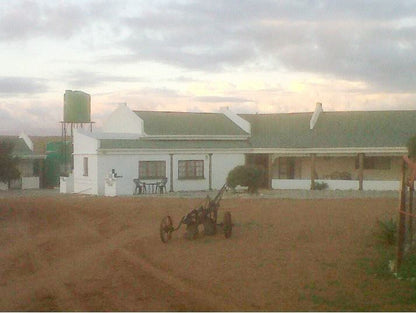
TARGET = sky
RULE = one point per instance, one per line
(254, 56)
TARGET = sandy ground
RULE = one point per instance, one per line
(84, 253)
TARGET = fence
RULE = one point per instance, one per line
(406, 227)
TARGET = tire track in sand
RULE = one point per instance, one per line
(52, 282)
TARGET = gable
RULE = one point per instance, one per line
(123, 121)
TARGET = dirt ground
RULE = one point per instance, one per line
(84, 253)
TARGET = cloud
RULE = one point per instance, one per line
(350, 39)
(21, 85)
(40, 117)
(23, 19)
(83, 79)
(371, 41)
(217, 99)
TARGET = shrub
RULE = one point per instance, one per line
(8, 163)
(246, 175)
(387, 231)
(321, 185)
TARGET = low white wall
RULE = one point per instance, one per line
(305, 184)
(381, 185)
(4, 186)
(302, 184)
(110, 187)
(66, 184)
(335, 184)
(30, 182)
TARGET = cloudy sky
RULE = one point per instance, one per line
(252, 56)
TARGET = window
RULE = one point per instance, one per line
(152, 169)
(191, 169)
(375, 163)
(85, 166)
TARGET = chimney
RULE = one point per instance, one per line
(315, 115)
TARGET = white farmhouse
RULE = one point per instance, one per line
(195, 151)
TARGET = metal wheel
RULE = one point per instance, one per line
(227, 224)
(166, 228)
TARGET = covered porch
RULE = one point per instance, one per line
(339, 171)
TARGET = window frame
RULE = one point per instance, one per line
(191, 169)
(146, 167)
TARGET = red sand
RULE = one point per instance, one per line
(76, 253)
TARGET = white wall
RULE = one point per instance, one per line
(85, 184)
(85, 146)
(84, 142)
(30, 182)
(222, 164)
(127, 166)
(124, 121)
(190, 184)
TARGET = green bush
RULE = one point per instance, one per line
(408, 267)
(8, 162)
(321, 185)
(247, 176)
(387, 231)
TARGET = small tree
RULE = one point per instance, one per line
(248, 176)
(8, 163)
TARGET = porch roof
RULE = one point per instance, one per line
(359, 129)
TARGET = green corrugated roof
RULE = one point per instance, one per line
(333, 129)
(360, 129)
(172, 144)
(187, 123)
(20, 148)
(279, 130)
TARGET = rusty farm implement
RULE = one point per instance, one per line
(205, 215)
